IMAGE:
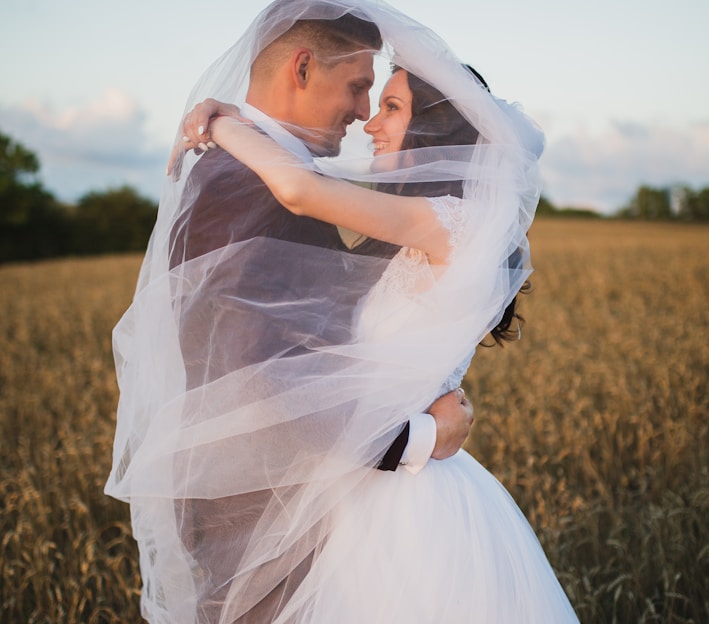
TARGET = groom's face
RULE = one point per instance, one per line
(335, 96)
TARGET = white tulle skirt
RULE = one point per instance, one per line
(446, 545)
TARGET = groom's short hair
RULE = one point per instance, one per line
(332, 40)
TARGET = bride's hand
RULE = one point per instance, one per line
(195, 131)
(195, 125)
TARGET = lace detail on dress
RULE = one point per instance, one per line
(452, 216)
(409, 271)
(456, 377)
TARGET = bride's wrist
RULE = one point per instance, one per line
(216, 126)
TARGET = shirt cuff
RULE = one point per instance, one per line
(422, 440)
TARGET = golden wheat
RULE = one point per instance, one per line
(596, 422)
(66, 550)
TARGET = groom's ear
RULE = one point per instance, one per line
(301, 66)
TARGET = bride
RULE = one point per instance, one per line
(299, 431)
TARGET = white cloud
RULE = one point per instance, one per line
(604, 169)
(90, 147)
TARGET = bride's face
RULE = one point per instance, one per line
(389, 125)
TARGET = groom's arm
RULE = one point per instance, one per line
(438, 434)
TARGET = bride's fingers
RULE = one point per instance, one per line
(196, 123)
(195, 129)
(174, 164)
(196, 134)
(192, 129)
(199, 118)
(195, 139)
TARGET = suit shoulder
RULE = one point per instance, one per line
(218, 164)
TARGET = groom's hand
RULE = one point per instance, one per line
(453, 414)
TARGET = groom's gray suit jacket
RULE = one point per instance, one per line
(230, 204)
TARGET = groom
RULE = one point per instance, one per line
(292, 88)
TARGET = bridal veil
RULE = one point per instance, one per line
(284, 436)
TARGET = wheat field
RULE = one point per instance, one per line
(597, 422)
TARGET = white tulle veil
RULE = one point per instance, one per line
(283, 438)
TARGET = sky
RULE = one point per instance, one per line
(621, 89)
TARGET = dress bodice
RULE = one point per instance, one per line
(387, 307)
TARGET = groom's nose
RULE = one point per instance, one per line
(362, 107)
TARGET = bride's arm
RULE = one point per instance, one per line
(405, 221)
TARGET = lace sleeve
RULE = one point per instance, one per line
(452, 215)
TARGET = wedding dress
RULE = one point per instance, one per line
(447, 544)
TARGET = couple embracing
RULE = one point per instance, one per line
(290, 415)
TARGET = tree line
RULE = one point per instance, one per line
(672, 203)
(35, 225)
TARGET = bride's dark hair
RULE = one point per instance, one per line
(436, 122)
